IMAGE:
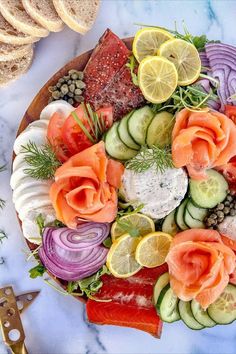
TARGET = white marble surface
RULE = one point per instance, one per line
(55, 324)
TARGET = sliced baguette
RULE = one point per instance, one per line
(10, 35)
(79, 15)
(12, 52)
(15, 14)
(44, 13)
(12, 69)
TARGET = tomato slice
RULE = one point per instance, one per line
(73, 136)
(54, 135)
(230, 111)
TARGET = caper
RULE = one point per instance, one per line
(226, 203)
(69, 82)
(70, 94)
(66, 77)
(220, 214)
(72, 71)
(78, 92)
(226, 210)
(64, 89)
(80, 75)
(220, 206)
(220, 219)
(51, 88)
(231, 205)
(232, 212)
(56, 94)
(71, 101)
(229, 198)
(79, 98)
(61, 80)
(80, 84)
(74, 76)
(58, 85)
(213, 216)
(72, 88)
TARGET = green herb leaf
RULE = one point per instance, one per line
(41, 223)
(148, 157)
(3, 168)
(132, 64)
(37, 271)
(3, 236)
(107, 242)
(42, 161)
(129, 211)
(128, 227)
(2, 203)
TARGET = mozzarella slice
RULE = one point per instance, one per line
(30, 187)
(40, 123)
(36, 135)
(60, 106)
(29, 226)
(33, 204)
(17, 177)
(19, 162)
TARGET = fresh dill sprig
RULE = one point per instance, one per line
(3, 168)
(132, 64)
(42, 161)
(3, 235)
(129, 211)
(95, 126)
(2, 260)
(148, 157)
(2, 203)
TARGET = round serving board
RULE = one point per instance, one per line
(41, 100)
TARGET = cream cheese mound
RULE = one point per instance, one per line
(159, 192)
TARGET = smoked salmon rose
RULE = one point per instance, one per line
(199, 265)
(202, 140)
(85, 187)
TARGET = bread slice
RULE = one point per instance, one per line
(12, 52)
(12, 69)
(15, 14)
(79, 15)
(10, 35)
(44, 13)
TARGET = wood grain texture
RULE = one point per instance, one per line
(41, 100)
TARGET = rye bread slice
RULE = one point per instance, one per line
(12, 69)
(14, 12)
(44, 13)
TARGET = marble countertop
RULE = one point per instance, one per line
(56, 324)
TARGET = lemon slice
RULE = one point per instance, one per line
(136, 222)
(157, 78)
(153, 249)
(185, 57)
(121, 257)
(147, 41)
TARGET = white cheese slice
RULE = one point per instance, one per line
(159, 192)
(17, 176)
(28, 184)
(33, 204)
(60, 106)
(228, 227)
(18, 162)
(36, 135)
(29, 226)
(40, 123)
(34, 191)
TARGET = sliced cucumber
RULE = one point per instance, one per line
(200, 315)
(160, 129)
(179, 215)
(191, 222)
(187, 315)
(208, 193)
(161, 283)
(138, 124)
(124, 135)
(196, 212)
(115, 147)
(169, 225)
(168, 305)
(223, 310)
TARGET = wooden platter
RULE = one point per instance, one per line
(41, 100)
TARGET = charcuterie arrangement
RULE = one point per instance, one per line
(125, 184)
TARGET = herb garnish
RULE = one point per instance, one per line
(2, 202)
(129, 211)
(37, 271)
(127, 226)
(148, 157)
(42, 161)
(41, 223)
(132, 64)
(3, 235)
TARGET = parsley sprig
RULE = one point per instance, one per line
(42, 161)
(132, 64)
(148, 157)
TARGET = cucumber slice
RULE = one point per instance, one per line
(187, 315)
(179, 215)
(124, 133)
(169, 225)
(196, 212)
(200, 315)
(161, 283)
(160, 129)
(208, 193)
(223, 310)
(191, 222)
(115, 147)
(138, 124)
(168, 305)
